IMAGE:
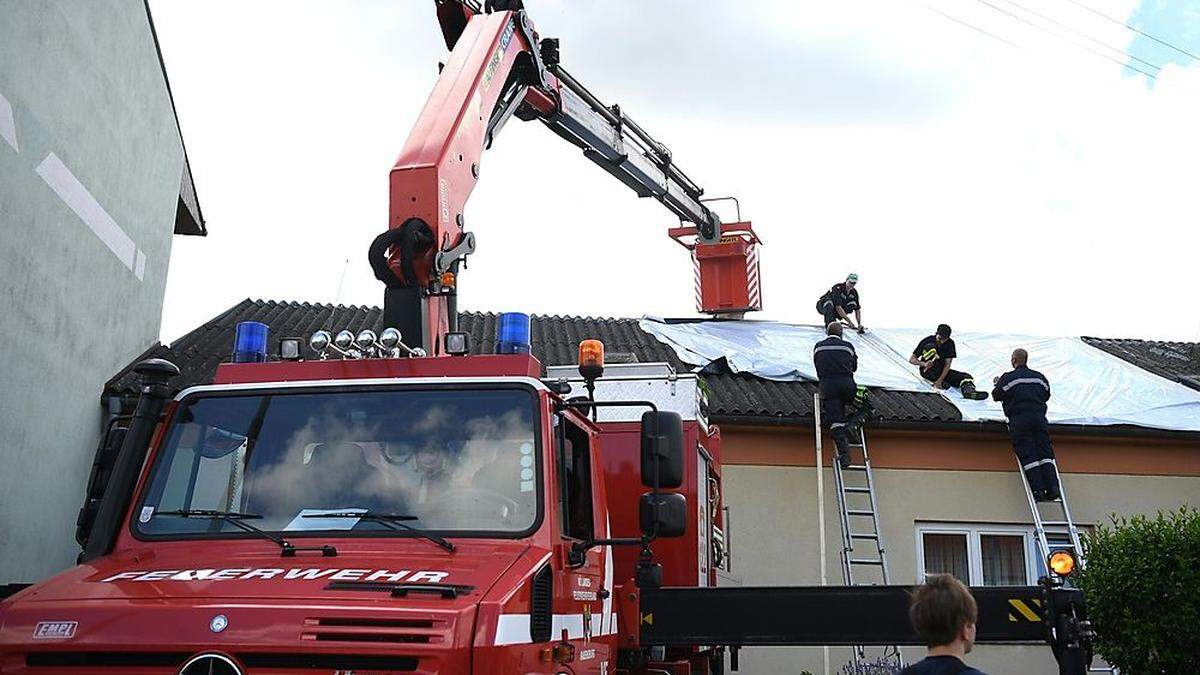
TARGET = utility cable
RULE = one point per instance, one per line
(1076, 44)
(1136, 30)
(1082, 35)
(968, 25)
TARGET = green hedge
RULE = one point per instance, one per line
(1142, 583)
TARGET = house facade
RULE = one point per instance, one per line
(94, 183)
(949, 496)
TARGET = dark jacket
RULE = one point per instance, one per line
(1022, 390)
(940, 665)
(834, 358)
(842, 297)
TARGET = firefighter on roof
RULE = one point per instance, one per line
(1024, 393)
(836, 361)
(839, 301)
(934, 354)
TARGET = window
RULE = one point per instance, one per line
(576, 481)
(946, 553)
(980, 555)
(459, 461)
(1002, 559)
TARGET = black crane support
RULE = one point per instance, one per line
(821, 615)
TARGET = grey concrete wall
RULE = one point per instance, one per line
(775, 535)
(80, 82)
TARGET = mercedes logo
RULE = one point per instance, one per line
(210, 664)
(219, 623)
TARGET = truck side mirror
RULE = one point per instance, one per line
(669, 519)
(662, 449)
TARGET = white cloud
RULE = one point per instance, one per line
(1035, 190)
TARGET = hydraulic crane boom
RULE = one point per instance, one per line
(498, 67)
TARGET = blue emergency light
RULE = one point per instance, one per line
(250, 342)
(512, 333)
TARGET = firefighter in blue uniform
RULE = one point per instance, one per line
(836, 361)
(934, 354)
(1024, 393)
(839, 301)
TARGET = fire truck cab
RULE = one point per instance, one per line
(385, 515)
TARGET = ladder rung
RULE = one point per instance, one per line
(856, 489)
(863, 561)
(1058, 523)
(863, 535)
(860, 512)
(856, 467)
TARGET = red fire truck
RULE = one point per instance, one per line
(463, 514)
(393, 506)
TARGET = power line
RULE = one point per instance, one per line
(1136, 30)
(1076, 44)
(968, 25)
(1083, 35)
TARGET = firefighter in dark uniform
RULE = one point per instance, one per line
(934, 354)
(1024, 393)
(836, 361)
(839, 301)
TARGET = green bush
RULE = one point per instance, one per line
(1142, 583)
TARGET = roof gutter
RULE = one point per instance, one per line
(986, 427)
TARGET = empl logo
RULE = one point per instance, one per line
(60, 630)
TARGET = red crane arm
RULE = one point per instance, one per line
(497, 68)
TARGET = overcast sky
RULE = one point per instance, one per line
(1007, 182)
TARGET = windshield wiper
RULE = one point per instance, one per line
(237, 519)
(394, 521)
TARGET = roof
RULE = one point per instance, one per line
(555, 340)
(733, 398)
(188, 218)
(1176, 361)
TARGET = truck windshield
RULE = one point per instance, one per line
(457, 461)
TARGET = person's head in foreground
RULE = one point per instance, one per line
(834, 329)
(944, 613)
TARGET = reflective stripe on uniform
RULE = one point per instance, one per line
(832, 348)
(1025, 380)
(1038, 463)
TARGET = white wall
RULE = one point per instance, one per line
(80, 292)
(773, 515)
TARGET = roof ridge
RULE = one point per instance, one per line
(208, 325)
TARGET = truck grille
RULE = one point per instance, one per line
(389, 630)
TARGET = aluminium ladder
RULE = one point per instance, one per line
(1063, 531)
(863, 550)
(1061, 528)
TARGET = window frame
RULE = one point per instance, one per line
(559, 433)
(163, 434)
(973, 533)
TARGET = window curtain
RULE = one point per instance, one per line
(946, 553)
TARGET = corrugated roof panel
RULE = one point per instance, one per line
(1176, 361)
